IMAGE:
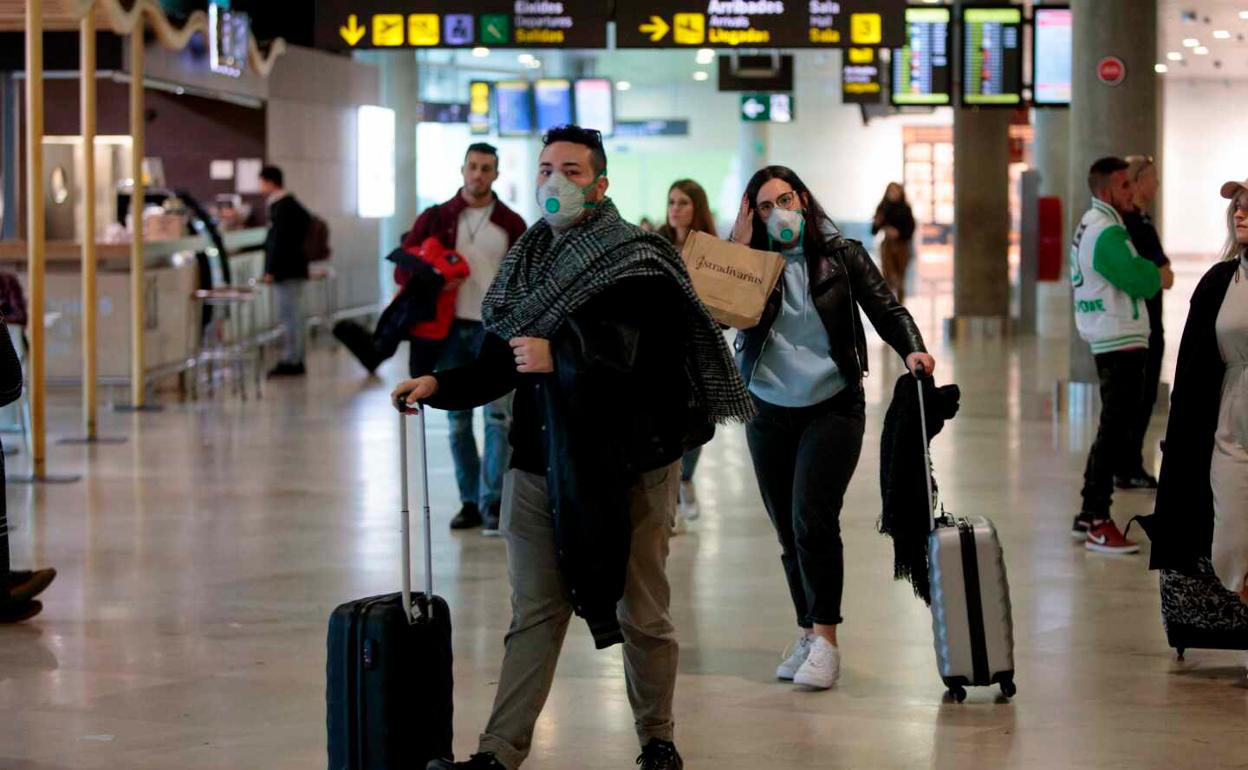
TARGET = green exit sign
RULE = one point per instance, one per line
(767, 108)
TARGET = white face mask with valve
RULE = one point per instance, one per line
(562, 203)
(785, 226)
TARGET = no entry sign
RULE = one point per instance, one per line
(1111, 71)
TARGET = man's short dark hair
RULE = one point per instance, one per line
(586, 137)
(485, 148)
(274, 175)
(1102, 172)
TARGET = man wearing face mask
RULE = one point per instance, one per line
(618, 369)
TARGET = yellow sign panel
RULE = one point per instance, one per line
(861, 56)
(423, 29)
(479, 98)
(866, 28)
(388, 29)
(690, 29)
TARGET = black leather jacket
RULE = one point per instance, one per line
(841, 281)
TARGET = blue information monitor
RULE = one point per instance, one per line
(515, 107)
(554, 103)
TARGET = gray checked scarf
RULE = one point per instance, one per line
(545, 278)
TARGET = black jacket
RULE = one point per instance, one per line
(1148, 243)
(10, 391)
(906, 516)
(1181, 527)
(841, 281)
(897, 214)
(285, 257)
(616, 406)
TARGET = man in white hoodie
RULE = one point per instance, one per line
(1111, 282)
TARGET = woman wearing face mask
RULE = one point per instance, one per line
(687, 211)
(804, 364)
(1202, 499)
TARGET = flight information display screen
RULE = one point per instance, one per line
(595, 104)
(1053, 51)
(992, 56)
(554, 103)
(922, 72)
(515, 107)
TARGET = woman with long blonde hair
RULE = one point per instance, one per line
(1201, 519)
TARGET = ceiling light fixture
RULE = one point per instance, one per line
(623, 85)
(705, 56)
(1243, 15)
(1200, 51)
(480, 52)
(1160, 69)
(525, 58)
(701, 76)
(1174, 56)
(1221, 34)
(1190, 42)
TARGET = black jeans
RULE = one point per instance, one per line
(1134, 459)
(804, 459)
(1122, 391)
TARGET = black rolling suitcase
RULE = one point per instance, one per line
(388, 693)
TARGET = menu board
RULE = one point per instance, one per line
(553, 99)
(759, 23)
(1053, 51)
(922, 72)
(992, 56)
(860, 77)
(515, 107)
(358, 24)
(595, 104)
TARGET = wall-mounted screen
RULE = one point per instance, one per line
(1052, 51)
(595, 104)
(553, 98)
(515, 107)
(992, 56)
(922, 72)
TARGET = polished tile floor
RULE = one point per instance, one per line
(200, 561)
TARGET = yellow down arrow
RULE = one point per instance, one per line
(353, 32)
(657, 29)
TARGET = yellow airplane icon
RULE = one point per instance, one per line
(388, 30)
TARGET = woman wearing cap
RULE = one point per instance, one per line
(1143, 173)
(804, 363)
(1202, 501)
(688, 211)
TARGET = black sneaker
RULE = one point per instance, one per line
(25, 585)
(1083, 523)
(16, 612)
(660, 755)
(288, 370)
(489, 528)
(468, 517)
(1138, 480)
(475, 762)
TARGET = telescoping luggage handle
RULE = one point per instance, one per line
(919, 373)
(424, 611)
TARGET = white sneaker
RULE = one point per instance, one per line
(822, 667)
(788, 669)
(689, 501)
(679, 527)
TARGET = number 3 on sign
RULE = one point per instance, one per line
(866, 28)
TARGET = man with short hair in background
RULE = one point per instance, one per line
(481, 229)
(286, 268)
(1111, 281)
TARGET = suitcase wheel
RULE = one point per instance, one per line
(958, 694)
(1008, 688)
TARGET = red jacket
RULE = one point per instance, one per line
(453, 269)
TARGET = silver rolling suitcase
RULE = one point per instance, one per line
(971, 616)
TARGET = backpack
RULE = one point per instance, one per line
(316, 242)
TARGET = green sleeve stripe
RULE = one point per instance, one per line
(1114, 259)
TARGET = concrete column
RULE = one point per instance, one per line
(753, 151)
(1110, 120)
(1052, 161)
(981, 281)
(400, 91)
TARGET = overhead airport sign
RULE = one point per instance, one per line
(381, 24)
(861, 82)
(767, 108)
(760, 24)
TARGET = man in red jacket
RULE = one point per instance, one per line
(481, 229)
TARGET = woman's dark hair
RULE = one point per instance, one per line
(814, 242)
(900, 188)
(703, 220)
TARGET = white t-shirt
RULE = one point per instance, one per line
(483, 244)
